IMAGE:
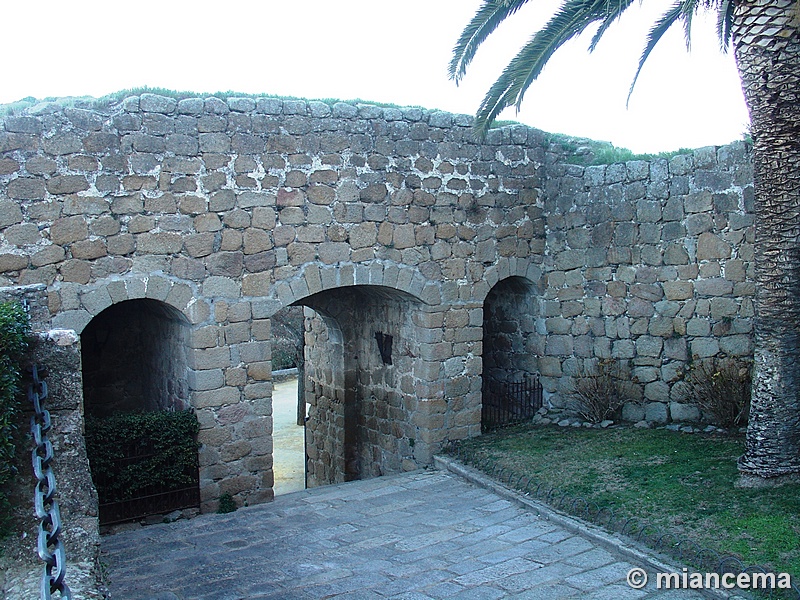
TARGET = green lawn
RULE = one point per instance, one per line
(682, 483)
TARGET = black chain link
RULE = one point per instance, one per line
(50, 548)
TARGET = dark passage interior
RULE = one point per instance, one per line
(135, 359)
(141, 439)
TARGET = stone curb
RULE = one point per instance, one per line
(612, 542)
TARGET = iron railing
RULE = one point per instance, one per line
(510, 402)
(150, 500)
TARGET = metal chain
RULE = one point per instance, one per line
(50, 548)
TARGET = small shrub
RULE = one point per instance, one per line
(599, 391)
(721, 389)
(226, 504)
(14, 330)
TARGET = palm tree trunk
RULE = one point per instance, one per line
(767, 43)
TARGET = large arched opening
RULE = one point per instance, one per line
(360, 383)
(141, 433)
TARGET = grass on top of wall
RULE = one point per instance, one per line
(579, 151)
(681, 483)
(116, 97)
(586, 152)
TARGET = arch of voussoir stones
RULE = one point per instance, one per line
(315, 278)
(505, 268)
(94, 299)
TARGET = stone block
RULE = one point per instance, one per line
(736, 345)
(89, 249)
(121, 244)
(68, 229)
(67, 184)
(676, 348)
(218, 397)
(633, 412)
(62, 144)
(649, 346)
(712, 247)
(698, 202)
(684, 412)
(72, 319)
(159, 243)
(207, 222)
(47, 256)
(26, 188)
(23, 234)
(678, 290)
(661, 327)
(211, 379)
(656, 412)
(157, 288)
(12, 262)
(704, 347)
(363, 235)
(221, 287)
(559, 345)
(713, 287)
(157, 104)
(623, 349)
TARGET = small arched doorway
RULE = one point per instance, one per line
(140, 432)
(511, 349)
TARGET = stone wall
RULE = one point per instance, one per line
(649, 263)
(324, 393)
(387, 220)
(229, 211)
(59, 353)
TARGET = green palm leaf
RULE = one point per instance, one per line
(571, 20)
(615, 12)
(724, 23)
(658, 30)
(485, 21)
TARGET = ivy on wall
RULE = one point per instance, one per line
(14, 331)
(133, 452)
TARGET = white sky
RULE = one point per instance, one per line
(376, 50)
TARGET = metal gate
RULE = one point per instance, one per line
(508, 403)
(143, 464)
(146, 501)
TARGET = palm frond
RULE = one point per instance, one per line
(569, 21)
(615, 12)
(485, 21)
(724, 23)
(509, 89)
(688, 13)
(658, 30)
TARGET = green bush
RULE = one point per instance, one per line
(283, 359)
(14, 330)
(168, 439)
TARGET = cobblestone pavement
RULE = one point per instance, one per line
(421, 535)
